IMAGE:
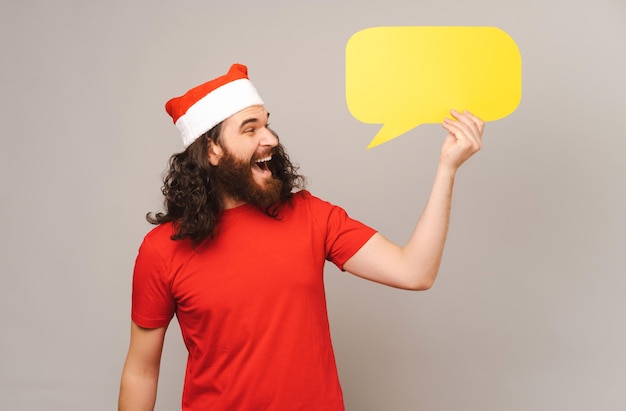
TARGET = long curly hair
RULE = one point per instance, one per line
(191, 200)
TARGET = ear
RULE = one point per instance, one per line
(215, 153)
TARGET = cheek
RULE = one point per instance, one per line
(241, 147)
(238, 152)
(245, 156)
(244, 152)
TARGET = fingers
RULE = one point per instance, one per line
(464, 138)
(477, 121)
(474, 123)
(465, 126)
(462, 131)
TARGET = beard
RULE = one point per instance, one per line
(233, 177)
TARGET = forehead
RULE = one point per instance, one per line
(248, 114)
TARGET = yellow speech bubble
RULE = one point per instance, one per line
(402, 77)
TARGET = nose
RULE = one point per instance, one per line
(268, 138)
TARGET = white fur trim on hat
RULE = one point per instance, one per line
(216, 107)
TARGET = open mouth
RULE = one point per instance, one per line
(263, 164)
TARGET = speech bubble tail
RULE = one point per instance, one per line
(388, 133)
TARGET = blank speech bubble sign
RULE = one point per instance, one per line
(402, 77)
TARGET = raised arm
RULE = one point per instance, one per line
(141, 370)
(415, 266)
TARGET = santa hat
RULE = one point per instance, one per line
(201, 108)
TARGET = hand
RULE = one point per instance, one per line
(464, 138)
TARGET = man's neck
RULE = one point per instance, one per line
(231, 202)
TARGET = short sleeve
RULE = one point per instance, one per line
(344, 236)
(152, 303)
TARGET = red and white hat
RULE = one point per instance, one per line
(202, 107)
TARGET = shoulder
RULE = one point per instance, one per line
(301, 196)
(159, 255)
(303, 203)
(160, 235)
(305, 197)
(159, 241)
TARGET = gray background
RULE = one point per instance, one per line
(527, 313)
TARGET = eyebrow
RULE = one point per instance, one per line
(248, 121)
(251, 120)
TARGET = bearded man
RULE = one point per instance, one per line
(238, 257)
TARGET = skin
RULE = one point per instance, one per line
(246, 135)
(413, 266)
(140, 375)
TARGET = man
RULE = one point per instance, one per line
(238, 257)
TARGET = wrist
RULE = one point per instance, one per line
(446, 171)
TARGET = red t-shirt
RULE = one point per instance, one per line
(251, 305)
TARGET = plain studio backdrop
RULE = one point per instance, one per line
(528, 311)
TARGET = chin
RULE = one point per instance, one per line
(264, 181)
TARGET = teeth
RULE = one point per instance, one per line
(262, 160)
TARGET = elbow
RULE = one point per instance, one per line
(422, 282)
(421, 286)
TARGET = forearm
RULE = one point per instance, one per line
(415, 266)
(423, 253)
(137, 391)
(424, 250)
